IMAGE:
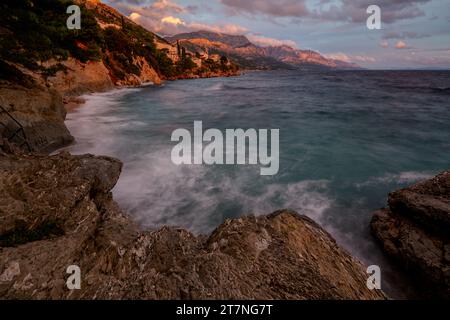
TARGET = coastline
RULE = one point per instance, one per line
(76, 103)
(73, 102)
(359, 205)
(59, 157)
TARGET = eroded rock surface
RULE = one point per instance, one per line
(415, 230)
(58, 211)
(39, 110)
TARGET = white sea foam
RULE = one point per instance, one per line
(216, 87)
(156, 192)
(92, 125)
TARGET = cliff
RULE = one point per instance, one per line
(59, 209)
(42, 60)
(39, 111)
(414, 231)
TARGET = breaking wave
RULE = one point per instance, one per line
(198, 198)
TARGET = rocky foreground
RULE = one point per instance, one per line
(57, 211)
(414, 230)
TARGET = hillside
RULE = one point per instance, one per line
(36, 38)
(43, 63)
(251, 56)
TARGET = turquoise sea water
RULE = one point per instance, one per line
(346, 140)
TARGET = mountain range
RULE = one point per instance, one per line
(251, 56)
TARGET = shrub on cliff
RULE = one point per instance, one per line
(37, 32)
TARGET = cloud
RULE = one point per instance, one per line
(338, 56)
(164, 5)
(279, 8)
(221, 28)
(367, 59)
(401, 45)
(172, 20)
(421, 59)
(270, 42)
(158, 6)
(391, 10)
(350, 58)
(171, 25)
(337, 10)
(162, 17)
(384, 44)
(165, 17)
(405, 35)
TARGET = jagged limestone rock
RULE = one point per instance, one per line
(415, 231)
(57, 211)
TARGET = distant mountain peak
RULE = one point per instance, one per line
(251, 56)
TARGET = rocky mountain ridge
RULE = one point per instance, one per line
(249, 55)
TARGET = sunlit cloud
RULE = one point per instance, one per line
(279, 8)
(401, 45)
(350, 58)
(172, 20)
(266, 41)
(337, 10)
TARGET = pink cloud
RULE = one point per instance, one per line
(337, 10)
(401, 45)
(270, 42)
(170, 25)
(279, 8)
(384, 44)
(350, 58)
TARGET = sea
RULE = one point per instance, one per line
(346, 139)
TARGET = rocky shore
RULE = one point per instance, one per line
(36, 82)
(57, 211)
(414, 231)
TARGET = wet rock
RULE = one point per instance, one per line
(414, 230)
(57, 211)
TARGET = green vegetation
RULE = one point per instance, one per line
(185, 63)
(34, 31)
(37, 32)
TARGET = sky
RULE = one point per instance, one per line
(414, 34)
